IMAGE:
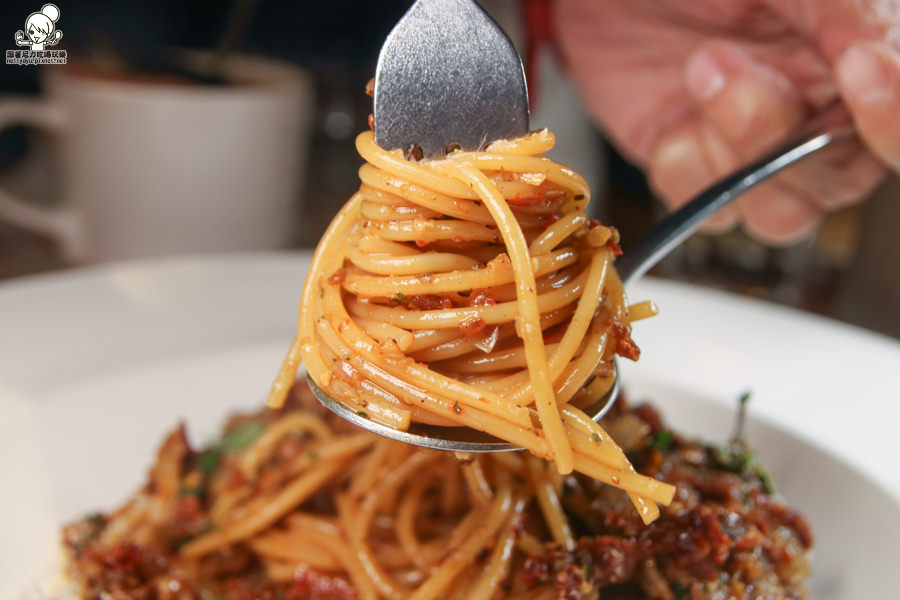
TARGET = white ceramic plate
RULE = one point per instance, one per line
(96, 365)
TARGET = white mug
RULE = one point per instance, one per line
(149, 167)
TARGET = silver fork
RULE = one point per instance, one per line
(447, 74)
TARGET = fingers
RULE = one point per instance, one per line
(868, 75)
(751, 105)
(778, 216)
(835, 177)
(743, 108)
(683, 164)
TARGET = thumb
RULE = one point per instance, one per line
(868, 76)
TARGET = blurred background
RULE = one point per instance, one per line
(258, 154)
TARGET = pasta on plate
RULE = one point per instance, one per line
(297, 504)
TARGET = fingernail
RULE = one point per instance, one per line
(673, 151)
(704, 76)
(862, 75)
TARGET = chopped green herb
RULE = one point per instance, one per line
(662, 440)
(740, 419)
(595, 437)
(766, 478)
(363, 414)
(399, 298)
(313, 455)
(242, 436)
(209, 460)
(735, 457)
(95, 519)
(456, 407)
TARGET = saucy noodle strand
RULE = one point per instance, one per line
(473, 291)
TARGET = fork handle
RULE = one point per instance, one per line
(673, 230)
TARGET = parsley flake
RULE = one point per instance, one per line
(242, 436)
(662, 440)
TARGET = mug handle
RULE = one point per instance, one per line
(60, 224)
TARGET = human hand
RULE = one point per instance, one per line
(693, 90)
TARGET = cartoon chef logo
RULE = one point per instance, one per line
(40, 29)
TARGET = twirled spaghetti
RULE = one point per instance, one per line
(473, 291)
